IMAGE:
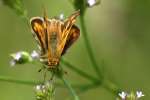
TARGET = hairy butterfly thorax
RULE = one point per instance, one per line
(54, 37)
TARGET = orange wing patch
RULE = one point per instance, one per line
(74, 35)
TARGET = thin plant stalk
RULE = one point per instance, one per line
(80, 72)
(12, 80)
(68, 85)
(89, 48)
(111, 87)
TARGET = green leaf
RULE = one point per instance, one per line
(16, 6)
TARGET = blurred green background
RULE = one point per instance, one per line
(119, 31)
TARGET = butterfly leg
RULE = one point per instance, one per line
(43, 68)
(52, 76)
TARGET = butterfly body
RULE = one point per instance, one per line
(54, 37)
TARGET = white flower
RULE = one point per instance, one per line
(16, 57)
(35, 55)
(61, 16)
(38, 87)
(139, 94)
(91, 2)
(13, 62)
(123, 95)
(20, 57)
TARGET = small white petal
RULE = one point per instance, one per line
(12, 62)
(43, 87)
(91, 2)
(123, 95)
(18, 56)
(61, 16)
(139, 94)
(38, 87)
(34, 55)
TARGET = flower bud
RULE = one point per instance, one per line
(20, 57)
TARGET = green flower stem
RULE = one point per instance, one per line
(108, 85)
(80, 72)
(33, 83)
(89, 48)
(24, 82)
(86, 87)
(68, 85)
(12, 80)
(82, 88)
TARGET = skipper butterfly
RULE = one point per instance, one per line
(54, 37)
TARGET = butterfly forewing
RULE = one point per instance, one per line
(39, 33)
(68, 23)
(74, 35)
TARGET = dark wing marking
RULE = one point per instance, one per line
(74, 35)
(39, 28)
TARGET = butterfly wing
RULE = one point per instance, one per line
(39, 33)
(68, 30)
(74, 35)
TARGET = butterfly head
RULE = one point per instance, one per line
(50, 62)
(53, 62)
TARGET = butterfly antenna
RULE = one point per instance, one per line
(45, 15)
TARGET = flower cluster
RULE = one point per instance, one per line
(130, 96)
(22, 57)
(44, 91)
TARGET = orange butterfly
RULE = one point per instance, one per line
(54, 37)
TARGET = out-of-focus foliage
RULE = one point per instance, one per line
(84, 4)
(16, 5)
